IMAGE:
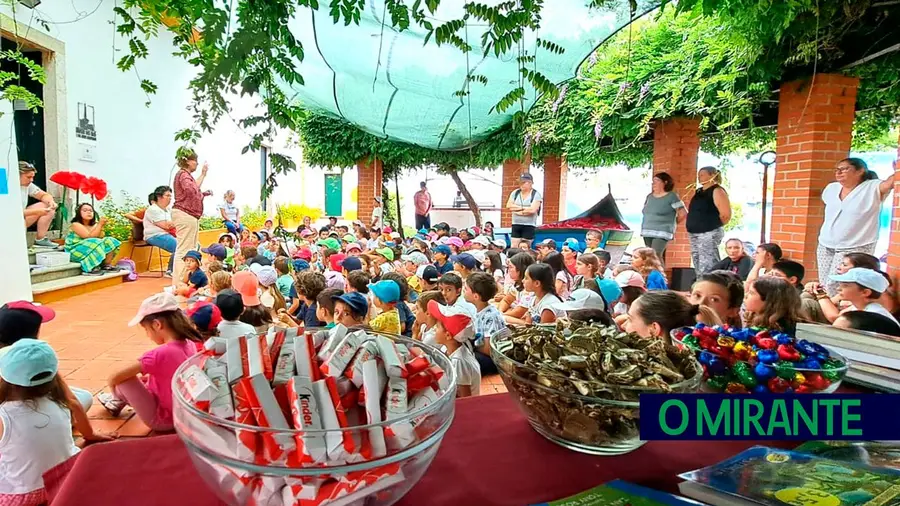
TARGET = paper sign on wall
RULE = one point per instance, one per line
(4, 183)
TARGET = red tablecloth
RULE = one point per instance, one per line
(490, 456)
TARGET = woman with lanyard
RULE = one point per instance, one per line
(188, 208)
(708, 212)
(852, 207)
(525, 204)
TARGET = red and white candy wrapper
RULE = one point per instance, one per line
(306, 416)
(198, 388)
(402, 434)
(247, 440)
(429, 377)
(215, 344)
(353, 489)
(266, 491)
(417, 365)
(382, 384)
(339, 442)
(403, 351)
(297, 489)
(333, 338)
(338, 361)
(396, 405)
(393, 362)
(233, 361)
(256, 360)
(232, 485)
(368, 351)
(284, 364)
(221, 404)
(276, 446)
(373, 408)
(305, 356)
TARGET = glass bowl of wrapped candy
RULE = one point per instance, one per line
(761, 361)
(579, 383)
(319, 417)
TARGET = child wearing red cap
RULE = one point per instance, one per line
(454, 330)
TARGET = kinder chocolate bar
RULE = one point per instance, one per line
(338, 361)
(283, 369)
(275, 344)
(247, 440)
(368, 484)
(417, 365)
(338, 441)
(401, 435)
(233, 362)
(221, 404)
(368, 351)
(333, 338)
(371, 381)
(429, 377)
(215, 344)
(396, 405)
(266, 491)
(257, 359)
(305, 357)
(198, 388)
(276, 446)
(393, 362)
(403, 351)
(306, 415)
(234, 486)
(299, 490)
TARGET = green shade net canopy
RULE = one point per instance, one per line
(394, 85)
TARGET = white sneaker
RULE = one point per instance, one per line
(112, 403)
(46, 243)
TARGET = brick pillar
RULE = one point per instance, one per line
(368, 187)
(512, 169)
(894, 245)
(815, 125)
(676, 144)
(555, 172)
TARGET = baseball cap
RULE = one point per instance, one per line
(386, 253)
(267, 275)
(441, 226)
(217, 250)
(464, 259)
(572, 244)
(230, 304)
(455, 241)
(387, 290)
(154, 304)
(482, 240)
(303, 253)
(478, 254)
(29, 363)
(246, 284)
(10, 309)
(306, 232)
(582, 299)
(610, 290)
(357, 302)
(629, 278)
(416, 257)
(205, 315)
(352, 246)
(387, 230)
(428, 273)
(330, 243)
(455, 319)
(300, 265)
(867, 278)
(349, 238)
(335, 261)
(351, 264)
(395, 235)
(547, 243)
(195, 255)
(526, 176)
(500, 243)
(443, 249)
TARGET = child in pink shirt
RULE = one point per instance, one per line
(146, 384)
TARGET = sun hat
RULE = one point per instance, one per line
(349, 238)
(395, 235)
(482, 240)
(308, 232)
(465, 259)
(11, 310)
(351, 264)
(27, 359)
(630, 278)
(357, 302)
(455, 241)
(352, 246)
(610, 290)
(572, 244)
(386, 230)
(387, 290)
(867, 278)
(303, 253)
(416, 257)
(428, 273)
(457, 320)
(386, 253)
(246, 284)
(217, 250)
(267, 275)
(205, 315)
(582, 298)
(195, 255)
(443, 249)
(157, 303)
(230, 304)
(330, 243)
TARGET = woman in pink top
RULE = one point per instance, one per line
(146, 384)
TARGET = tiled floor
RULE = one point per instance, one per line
(92, 337)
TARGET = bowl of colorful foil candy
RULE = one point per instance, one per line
(313, 418)
(761, 361)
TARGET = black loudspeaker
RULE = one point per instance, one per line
(682, 279)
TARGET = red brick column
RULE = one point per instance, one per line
(555, 172)
(894, 245)
(815, 125)
(676, 144)
(512, 169)
(368, 187)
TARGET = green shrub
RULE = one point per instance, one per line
(254, 219)
(118, 226)
(211, 222)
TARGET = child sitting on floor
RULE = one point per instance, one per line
(193, 278)
(772, 303)
(146, 385)
(454, 330)
(406, 315)
(285, 284)
(423, 327)
(269, 295)
(350, 309)
(325, 306)
(386, 294)
(480, 290)
(227, 240)
(206, 317)
(35, 423)
(231, 306)
(254, 314)
(219, 281)
(309, 285)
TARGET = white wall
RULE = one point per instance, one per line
(14, 270)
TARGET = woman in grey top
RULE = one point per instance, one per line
(662, 211)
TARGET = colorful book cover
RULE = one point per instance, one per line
(779, 477)
(870, 453)
(621, 493)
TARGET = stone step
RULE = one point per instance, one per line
(46, 292)
(42, 274)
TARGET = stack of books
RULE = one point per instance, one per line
(874, 358)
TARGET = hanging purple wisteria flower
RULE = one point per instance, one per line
(559, 99)
(598, 130)
(624, 86)
(592, 60)
(527, 142)
(537, 137)
(645, 89)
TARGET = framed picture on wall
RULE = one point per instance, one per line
(86, 127)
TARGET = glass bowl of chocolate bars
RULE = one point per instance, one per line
(579, 383)
(314, 417)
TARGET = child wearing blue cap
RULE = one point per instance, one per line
(386, 294)
(35, 422)
(442, 261)
(193, 278)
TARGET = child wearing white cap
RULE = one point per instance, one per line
(860, 287)
(454, 330)
(35, 424)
